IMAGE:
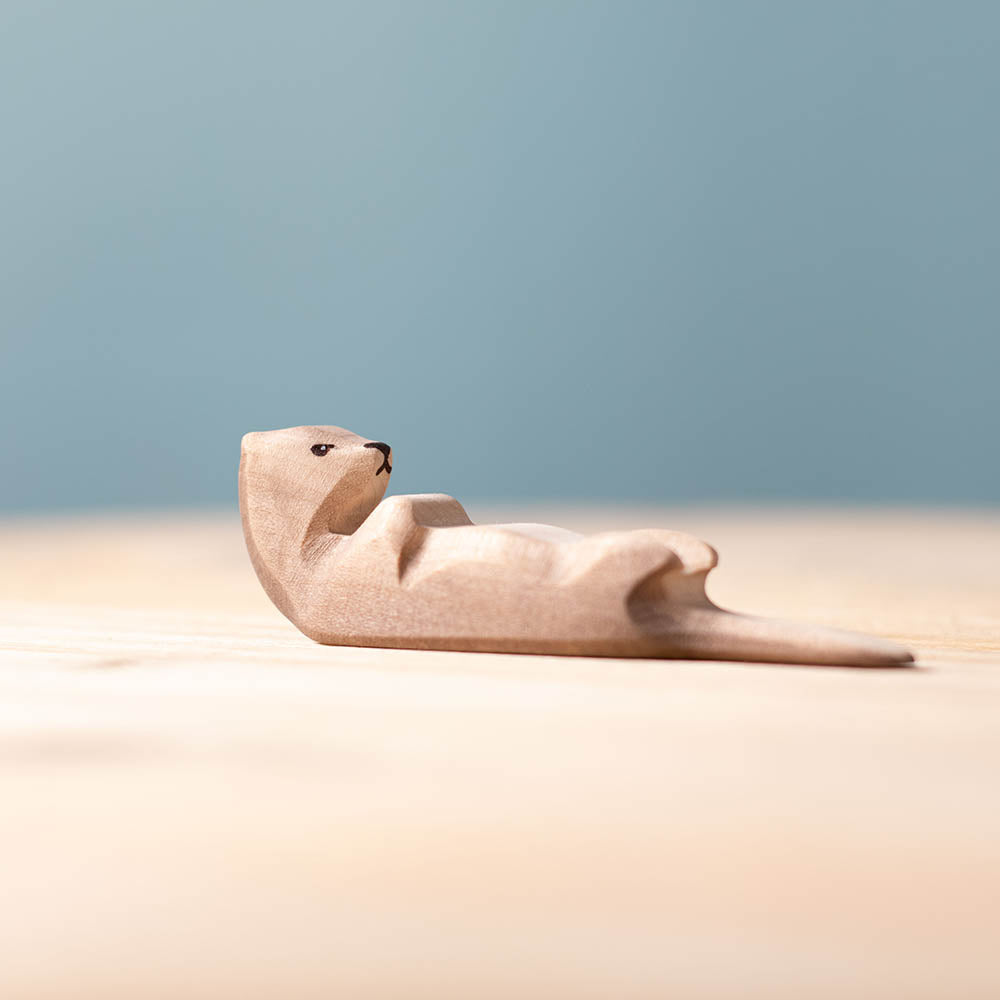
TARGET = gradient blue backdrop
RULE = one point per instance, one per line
(669, 250)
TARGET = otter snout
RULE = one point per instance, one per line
(385, 449)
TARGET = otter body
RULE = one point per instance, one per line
(348, 567)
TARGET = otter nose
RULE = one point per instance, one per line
(385, 449)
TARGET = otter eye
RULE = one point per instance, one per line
(320, 449)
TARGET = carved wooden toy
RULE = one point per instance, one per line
(349, 568)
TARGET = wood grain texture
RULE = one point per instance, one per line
(198, 801)
(350, 568)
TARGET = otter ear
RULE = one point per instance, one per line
(248, 441)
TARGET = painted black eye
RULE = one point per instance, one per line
(321, 449)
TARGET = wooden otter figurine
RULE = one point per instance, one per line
(349, 568)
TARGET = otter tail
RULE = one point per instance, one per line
(706, 632)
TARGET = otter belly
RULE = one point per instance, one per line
(543, 532)
(514, 588)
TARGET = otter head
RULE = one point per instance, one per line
(309, 482)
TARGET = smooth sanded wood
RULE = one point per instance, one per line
(198, 801)
(348, 567)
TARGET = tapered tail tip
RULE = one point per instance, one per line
(723, 635)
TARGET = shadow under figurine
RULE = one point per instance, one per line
(349, 568)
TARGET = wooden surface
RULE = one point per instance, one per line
(197, 801)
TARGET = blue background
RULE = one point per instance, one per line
(664, 251)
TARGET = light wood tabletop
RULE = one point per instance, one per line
(199, 802)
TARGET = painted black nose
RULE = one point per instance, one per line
(385, 449)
